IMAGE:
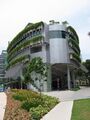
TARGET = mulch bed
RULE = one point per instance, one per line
(14, 111)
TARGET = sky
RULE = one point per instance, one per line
(16, 14)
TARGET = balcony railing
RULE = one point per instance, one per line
(24, 33)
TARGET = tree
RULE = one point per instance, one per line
(87, 65)
(36, 65)
(27, 77)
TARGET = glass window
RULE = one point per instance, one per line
(30, 34)
(36, 49)
(34, 32)
(63, 34)
(57, 34)
(27, 34)
(38, 31)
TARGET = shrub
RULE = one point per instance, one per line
(23, 95)
(14, 90)
(49, 102)
(19, 97)
(34, 102)
(26, 105)
(38, 112)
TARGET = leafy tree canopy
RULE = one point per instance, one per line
(36, 65)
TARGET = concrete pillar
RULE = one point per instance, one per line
(73, 78)
(68, 77)
(58, 85)
(49, 78)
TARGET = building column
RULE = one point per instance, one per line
(68, 77)
(73, 78)
(49, 78)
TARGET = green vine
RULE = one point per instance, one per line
(24, 44)
(72, 31)
(17, 60)
(76, 57)
(75, 44)
(25, 30)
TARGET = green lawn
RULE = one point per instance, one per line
(81, 110)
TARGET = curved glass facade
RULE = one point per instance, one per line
(57, 34)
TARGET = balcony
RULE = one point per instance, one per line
(28, 32)
(74, 45)
(75, 57)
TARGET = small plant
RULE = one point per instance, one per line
(38, 112)
(34, 103)
(19, 97)
(76, 88)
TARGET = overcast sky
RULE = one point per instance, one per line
(15, 14)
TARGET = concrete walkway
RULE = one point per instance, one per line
(62, 111)
(68, 95)
(3, 101)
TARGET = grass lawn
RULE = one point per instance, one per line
(81, 110)
(27, 105)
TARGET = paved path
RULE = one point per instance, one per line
(3, 101)
(71, 95)
(61, 112)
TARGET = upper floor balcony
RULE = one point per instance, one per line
(28, 32)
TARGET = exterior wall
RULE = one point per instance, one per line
(58, 51)
(55, 50)
(23, 52)
(41, 54)
(3, 63)
(58, 46)
(14, 72)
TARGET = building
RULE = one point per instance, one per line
(58, 46)
(3, 63)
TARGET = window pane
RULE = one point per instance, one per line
(57, 34)
(36, 49)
